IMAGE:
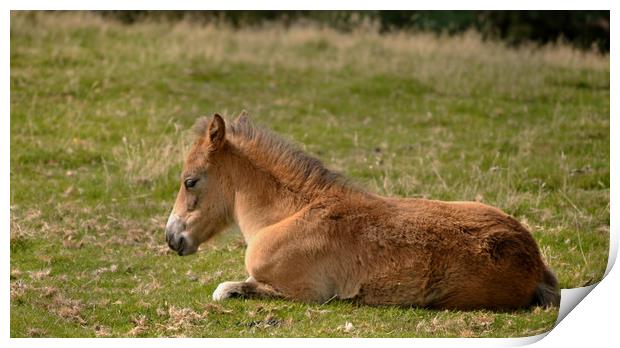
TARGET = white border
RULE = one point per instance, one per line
(591, 322)
(312, 5)
(5, 186)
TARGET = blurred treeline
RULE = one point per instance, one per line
(583, 29)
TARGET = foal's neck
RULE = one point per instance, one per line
(260, 200)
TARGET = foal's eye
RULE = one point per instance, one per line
(189, 183)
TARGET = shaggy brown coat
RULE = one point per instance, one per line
(311, 236)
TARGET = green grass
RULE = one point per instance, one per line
(100, 114)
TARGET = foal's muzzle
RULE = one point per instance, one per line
(177, 238)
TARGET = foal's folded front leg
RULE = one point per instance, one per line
(247, 289)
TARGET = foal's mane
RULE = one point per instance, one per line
(280, 158)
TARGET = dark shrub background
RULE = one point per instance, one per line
(583, 29)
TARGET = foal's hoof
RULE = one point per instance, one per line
(226, 290)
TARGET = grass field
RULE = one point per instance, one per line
(101, 116)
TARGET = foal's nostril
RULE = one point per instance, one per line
(181, 244)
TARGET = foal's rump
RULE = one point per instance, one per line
(467, 255)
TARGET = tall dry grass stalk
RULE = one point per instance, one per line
(147, 161)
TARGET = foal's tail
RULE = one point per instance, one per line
(547, 292)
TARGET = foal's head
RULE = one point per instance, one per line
(202, 206)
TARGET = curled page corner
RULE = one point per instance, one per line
(570, 298)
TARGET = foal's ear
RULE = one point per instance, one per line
(216, 132)
(242, 118)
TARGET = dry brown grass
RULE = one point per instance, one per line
(145, 162)
(276, 45)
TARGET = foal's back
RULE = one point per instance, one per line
(448, 255)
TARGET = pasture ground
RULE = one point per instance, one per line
(100, 119)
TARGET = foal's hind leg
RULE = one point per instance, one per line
(248, 288)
